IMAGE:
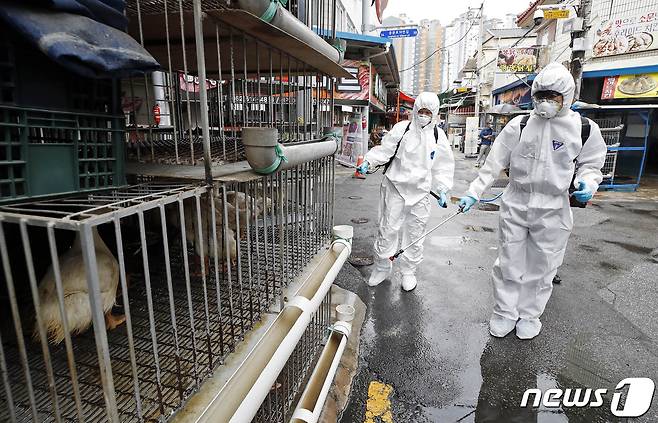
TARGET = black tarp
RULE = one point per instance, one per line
(84, 36)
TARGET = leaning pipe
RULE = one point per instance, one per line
(312, 400)
(266, 155)
(275, 14)
(240, 398)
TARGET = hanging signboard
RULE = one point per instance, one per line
(517, 60)
(190, 83)
(627, 35)
(630, 86)
(516, 96)
(358, 87)
(556, 13)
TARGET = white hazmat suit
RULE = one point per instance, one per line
(535, 216)
(421, 164)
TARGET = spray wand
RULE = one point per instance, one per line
(446, 220)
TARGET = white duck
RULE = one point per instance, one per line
(76, 295)
(256, 208)
(191, 230)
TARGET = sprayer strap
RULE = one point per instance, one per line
(280, 157)
(336, 44)
(269, 13)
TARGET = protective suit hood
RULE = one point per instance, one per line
(426, 100)
(555, 77)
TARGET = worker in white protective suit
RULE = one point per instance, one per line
(420, 160)
(535, 215)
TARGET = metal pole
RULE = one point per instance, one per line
(578, 57)
(203, 92)
(477, 66)
(365, 16)
(397, 119)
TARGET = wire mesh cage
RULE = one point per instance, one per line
(254, 75)
(611, 131)
(117, 305)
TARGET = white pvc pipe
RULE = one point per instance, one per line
(266, 155)
(241, 397)
(287, 22)
(312, 402)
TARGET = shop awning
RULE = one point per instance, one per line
(630, 67)
(406, 97)
(84, 36)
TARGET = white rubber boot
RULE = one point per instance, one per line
(378, 276)
(500, 326)
(528, 328)
(409, 282)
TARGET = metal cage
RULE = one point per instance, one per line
(191, 269)
(221, 73)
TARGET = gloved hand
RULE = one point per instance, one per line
(363, 168)
(466, 202)
(584, 193)
(443, 199)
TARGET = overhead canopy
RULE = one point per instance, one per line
(376, 49)
(82, 36)
(225, 36)
(406, 97)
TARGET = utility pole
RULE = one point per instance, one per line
(478, 62)
(365, 16)
(578, 51)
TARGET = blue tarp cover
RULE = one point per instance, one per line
(84, 36)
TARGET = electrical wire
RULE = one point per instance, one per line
(444, 47)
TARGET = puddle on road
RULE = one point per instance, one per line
(451, 241)
(589, 248)
(638, 249)
(608, 266)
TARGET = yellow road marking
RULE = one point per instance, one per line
(379, 404)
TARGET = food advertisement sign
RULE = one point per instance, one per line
(627, 35)
(630, 86)
(356, 88)
(517, 60)
(517, 96)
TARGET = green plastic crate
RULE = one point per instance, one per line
(46, 152)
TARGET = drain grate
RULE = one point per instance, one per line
(359, 220)
(360, 260)
(488, 207)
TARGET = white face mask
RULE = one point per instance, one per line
(423, 120)
(547, 108)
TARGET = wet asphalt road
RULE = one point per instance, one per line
(432, 346)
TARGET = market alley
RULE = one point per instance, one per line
(430, 349)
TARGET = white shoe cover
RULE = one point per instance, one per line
(528, 328)
(409, 282)
(378, 276)
(500, 326)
